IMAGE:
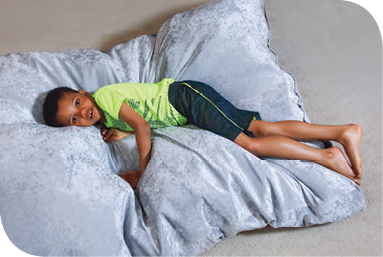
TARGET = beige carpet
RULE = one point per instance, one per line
(332, 47)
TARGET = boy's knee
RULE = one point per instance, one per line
(261, 128)
(248, 143)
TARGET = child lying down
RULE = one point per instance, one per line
(139, 107)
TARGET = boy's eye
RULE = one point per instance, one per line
(74, 118)
(77, 102)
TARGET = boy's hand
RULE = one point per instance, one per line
(132, 177)
(113, 134)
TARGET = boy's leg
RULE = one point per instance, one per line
(286, 148)
(349, 136)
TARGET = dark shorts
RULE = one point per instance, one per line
(207, 109)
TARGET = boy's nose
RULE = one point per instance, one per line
(83, 112)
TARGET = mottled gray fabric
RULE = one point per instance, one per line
(59, 192)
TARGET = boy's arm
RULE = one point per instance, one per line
(142, 130)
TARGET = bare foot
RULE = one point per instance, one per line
(336, 161)
(351, 142)
(132, 177)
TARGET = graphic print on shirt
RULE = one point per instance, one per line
(146, 111)
(118, 123)
(134, 104)
(153, 120)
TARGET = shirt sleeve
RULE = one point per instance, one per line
(109, 100)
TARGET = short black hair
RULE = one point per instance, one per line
(50, 106)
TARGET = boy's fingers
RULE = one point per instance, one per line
(103, 131)
(108, 134)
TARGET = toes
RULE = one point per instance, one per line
(357, 173)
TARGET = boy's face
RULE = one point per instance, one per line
(78, 109)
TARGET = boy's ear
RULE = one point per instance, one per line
(83, 92)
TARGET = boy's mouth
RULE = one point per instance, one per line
(91, 113)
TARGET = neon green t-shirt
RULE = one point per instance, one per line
(150, 100)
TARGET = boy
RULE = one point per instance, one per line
(139, 107)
